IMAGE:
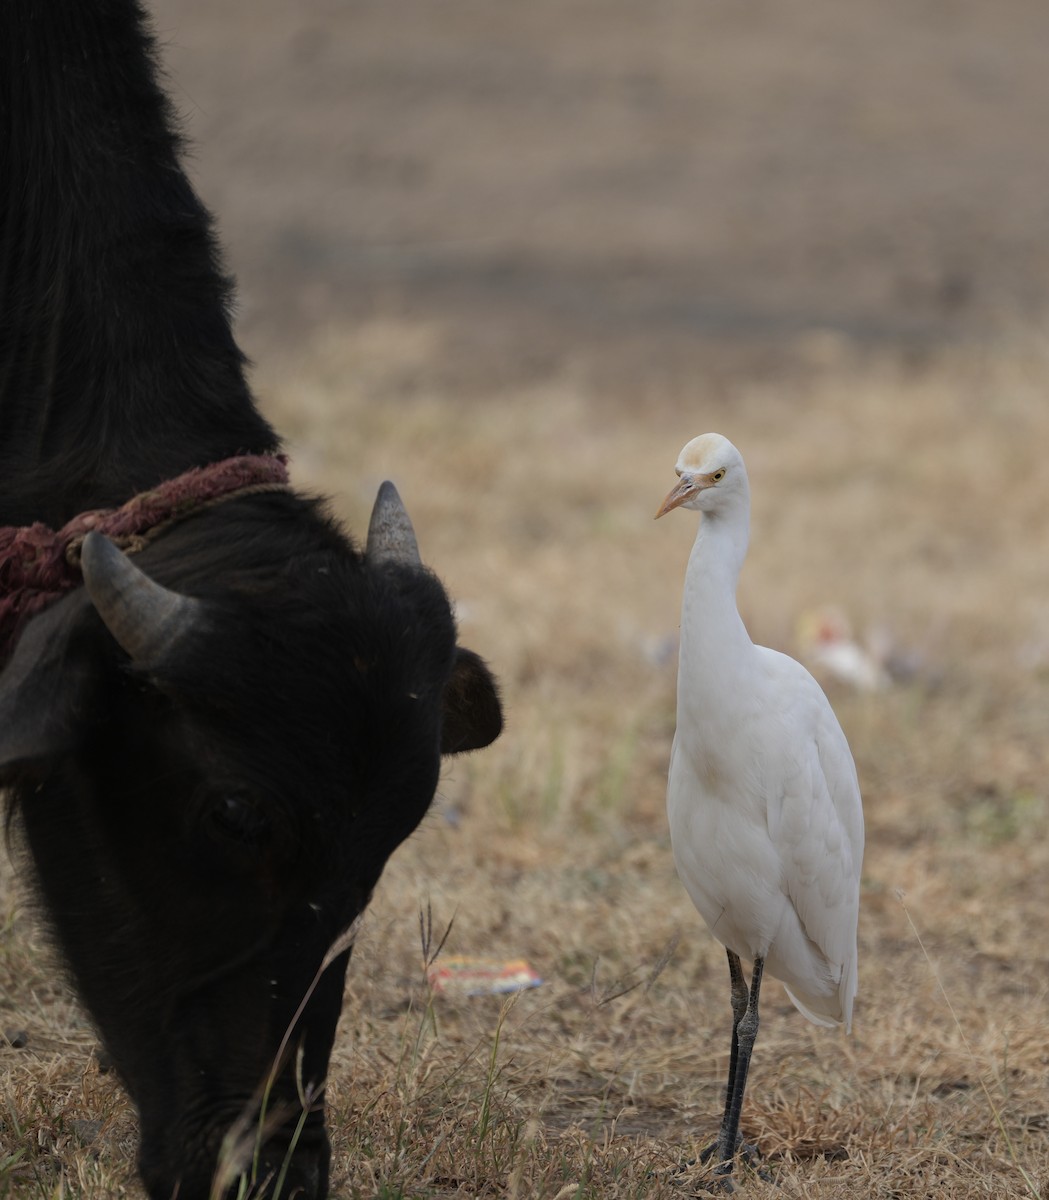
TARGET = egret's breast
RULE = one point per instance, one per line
(724, 855)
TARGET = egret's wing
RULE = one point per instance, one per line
(816, 822)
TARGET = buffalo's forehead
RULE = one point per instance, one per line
(325, 698)
(333, 636)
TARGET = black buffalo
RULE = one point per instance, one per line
(211, 748)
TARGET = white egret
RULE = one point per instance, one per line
(763, 801)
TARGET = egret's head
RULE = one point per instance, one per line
(711, 475)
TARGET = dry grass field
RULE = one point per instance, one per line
(913, 498)
(514, 262)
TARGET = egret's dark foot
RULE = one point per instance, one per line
(745, 1151)
(719, 1185)
(722, 1183)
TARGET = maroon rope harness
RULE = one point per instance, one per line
(38, 564)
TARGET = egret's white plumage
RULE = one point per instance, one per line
(763, 801)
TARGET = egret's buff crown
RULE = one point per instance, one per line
(710, 475)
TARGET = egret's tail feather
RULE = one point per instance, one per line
(816, 1018)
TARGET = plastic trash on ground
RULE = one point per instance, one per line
(467, 976)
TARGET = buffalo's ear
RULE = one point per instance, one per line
(45, 700)
(472, 715)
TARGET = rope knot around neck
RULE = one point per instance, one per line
(39, 564)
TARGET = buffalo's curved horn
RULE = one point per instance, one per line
(146, 619)
(391, 538)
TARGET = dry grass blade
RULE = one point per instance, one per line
(429, 950)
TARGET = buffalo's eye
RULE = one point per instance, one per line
(237, 817)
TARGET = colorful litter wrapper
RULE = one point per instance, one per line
(466, 976)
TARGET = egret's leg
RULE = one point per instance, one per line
(746, 1031)
(740, 998)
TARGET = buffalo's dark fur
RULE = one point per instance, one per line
(202, 826)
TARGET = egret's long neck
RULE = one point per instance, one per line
(714, 641)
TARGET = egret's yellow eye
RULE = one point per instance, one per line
(718, 475)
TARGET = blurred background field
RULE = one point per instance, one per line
(513, 257)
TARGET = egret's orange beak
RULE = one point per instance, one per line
(687, 487)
